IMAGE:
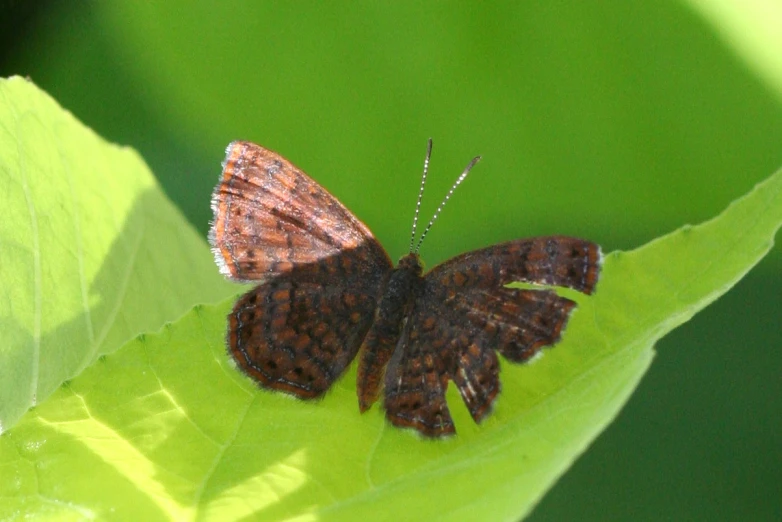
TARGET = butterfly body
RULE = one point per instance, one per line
(328, 292)
(404, 287)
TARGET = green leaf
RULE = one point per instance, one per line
(751, 28)
(167, 428)
(92, 252)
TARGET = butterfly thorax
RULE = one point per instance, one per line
(403, 286)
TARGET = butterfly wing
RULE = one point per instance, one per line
(517, 322)
(320, 270)
(417, 376)
(269, 216)
(551, 260)
(465, 312)
(299, 331)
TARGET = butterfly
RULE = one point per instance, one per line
(328, 292)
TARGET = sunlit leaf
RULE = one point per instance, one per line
(92, 253)
(167, 428)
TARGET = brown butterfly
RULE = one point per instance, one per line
(328, 291)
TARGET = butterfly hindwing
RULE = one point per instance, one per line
(416, 379)
(517, 322)
(475, 371)
(298, 332)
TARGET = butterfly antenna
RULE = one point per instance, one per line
(458, 182)
(421, 192)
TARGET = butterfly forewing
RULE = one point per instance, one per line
(552, 260)
(270, 216)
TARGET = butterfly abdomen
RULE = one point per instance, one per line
(397, 299)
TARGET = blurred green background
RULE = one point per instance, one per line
(616, 121)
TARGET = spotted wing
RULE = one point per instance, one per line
(320, 270)
(465, 312)
(269, 216)
(417, 376)
(551, 260)
(298, 331)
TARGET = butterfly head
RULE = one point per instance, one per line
(411, 263)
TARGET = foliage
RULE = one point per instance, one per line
(93, 254)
